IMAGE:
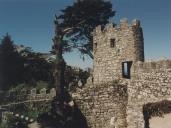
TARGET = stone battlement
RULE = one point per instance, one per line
(123, 25)
(24, 95)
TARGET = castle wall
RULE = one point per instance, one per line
(151, 82)
(103, 106)
(128, 46)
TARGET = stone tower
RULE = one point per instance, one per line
(116, 49)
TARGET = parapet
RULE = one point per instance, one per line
(160, 64)
(121, 26)
(33, 92)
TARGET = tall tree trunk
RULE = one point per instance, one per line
(59, 62)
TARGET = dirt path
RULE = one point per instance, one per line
(159, 122)
(34, 125)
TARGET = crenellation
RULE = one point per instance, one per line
(124, 24)
(98, 30)
(109, 28)
(135, 23)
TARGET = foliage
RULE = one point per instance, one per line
(35, 112)
(3, 125)
(30, 111)
(72, 76)
(19, 87)
(42, 84)
(14, 122)
(83, 76)
(20, 66)
(11, 66)
(37, 69)
(79, 20)
(62, 115)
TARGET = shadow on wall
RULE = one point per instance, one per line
(65, 114)
(155, 109)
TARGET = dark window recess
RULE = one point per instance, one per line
(112, 43)
(95, 45)
(126, 69)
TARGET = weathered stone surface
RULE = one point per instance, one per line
(128, 46)
(112, 100)
(100, 103)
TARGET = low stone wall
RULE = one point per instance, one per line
(25, 95)
(104, 106)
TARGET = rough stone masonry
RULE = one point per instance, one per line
(122, 83)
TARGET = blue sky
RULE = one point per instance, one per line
(30, 22)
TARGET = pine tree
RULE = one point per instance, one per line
(11, 64)
(73, 29)
(79, 20)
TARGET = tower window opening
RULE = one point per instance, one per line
(112, 43)
(95, 45)
(126, 69)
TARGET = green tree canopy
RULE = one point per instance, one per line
(79, 20)
(11, 64)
